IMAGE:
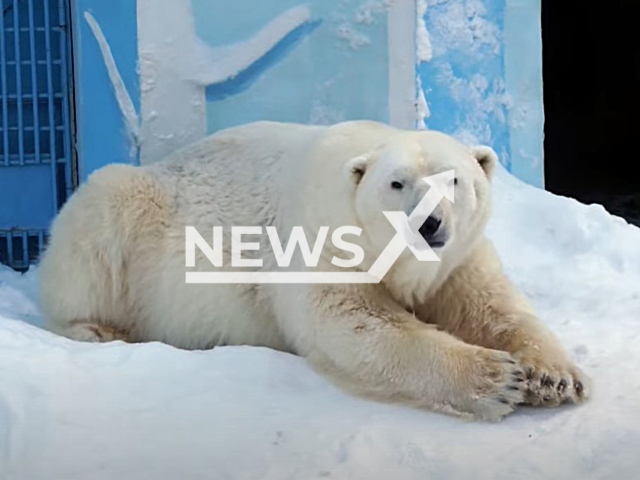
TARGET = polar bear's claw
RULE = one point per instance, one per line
(554, 382)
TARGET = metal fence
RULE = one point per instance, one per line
(36, 167)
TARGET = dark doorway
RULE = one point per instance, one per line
(591, 68)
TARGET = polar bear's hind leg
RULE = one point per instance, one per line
(89, 331)
(85, 275)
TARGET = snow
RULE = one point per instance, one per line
(368, 11)
(70, 410)
(422, 106)
(424, 50)
(485, 101)
(462, 26)
(352, 37)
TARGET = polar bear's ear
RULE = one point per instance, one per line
(355, 168)
(486, 158)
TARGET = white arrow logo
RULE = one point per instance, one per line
(441, 186)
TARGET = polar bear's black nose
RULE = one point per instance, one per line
(429, 228)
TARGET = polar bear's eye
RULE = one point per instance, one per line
(397, 185)
(455, 180)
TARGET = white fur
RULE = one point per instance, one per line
(115, 267)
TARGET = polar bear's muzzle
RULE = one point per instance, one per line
(434, 232)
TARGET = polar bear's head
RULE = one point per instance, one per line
(390, 178)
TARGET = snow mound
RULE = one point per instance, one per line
(81, 411)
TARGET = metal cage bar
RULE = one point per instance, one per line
(65, 74)
(10, 249)
(34, 83)
(36, 123)
(50, 101)
(21, 248)
(5, 93)
(16, 47)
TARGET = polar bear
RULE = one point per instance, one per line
(453, 336)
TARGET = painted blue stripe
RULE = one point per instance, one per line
(247, 77)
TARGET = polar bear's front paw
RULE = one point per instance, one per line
(551, 379)
(497, 384)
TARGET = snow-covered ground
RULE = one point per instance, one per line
(114, 411)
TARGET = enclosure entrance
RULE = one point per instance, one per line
(36, 168)
(591, 92)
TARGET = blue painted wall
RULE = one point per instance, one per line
(463, 81)
(481, 80)
(336, 71)
(101, 134)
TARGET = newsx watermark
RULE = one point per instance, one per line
(441, 186)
